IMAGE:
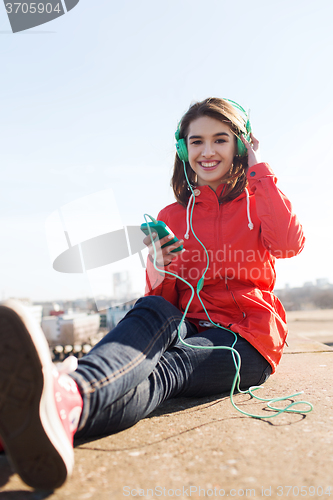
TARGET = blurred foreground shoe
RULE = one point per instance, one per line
(39, 407)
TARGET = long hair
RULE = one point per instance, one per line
(235, 180)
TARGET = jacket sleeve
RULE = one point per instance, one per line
(158, 282)
(281, 233)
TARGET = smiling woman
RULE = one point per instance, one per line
(239, 223)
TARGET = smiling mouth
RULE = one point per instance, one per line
(206, 164)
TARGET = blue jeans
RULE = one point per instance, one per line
(141, 363)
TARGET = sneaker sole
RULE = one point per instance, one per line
(30, 427)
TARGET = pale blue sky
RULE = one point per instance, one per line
(91, 100)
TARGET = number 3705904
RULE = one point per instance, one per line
(303, 491)
(32, 8)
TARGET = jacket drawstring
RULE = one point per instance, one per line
(187, 234)
(250, 224)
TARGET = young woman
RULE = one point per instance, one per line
(235, 209)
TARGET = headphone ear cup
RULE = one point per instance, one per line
(182, 149)
(241, 148)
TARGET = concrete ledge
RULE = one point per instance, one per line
(189, 444)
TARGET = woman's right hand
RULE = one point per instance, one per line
(164, 256)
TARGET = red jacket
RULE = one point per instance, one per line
(238, 287)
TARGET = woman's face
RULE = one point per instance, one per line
(211, 149)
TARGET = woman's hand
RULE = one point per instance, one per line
(252, 150)
(163, 255)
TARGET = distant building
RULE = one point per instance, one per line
(122, 286)
(36, 311)
(115, 314)
(309, 296)
(103, 320)
(70, 329)
(322, 282)
(57, 313)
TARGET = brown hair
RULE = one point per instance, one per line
(235, 180)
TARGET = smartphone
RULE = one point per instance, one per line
(162, 230)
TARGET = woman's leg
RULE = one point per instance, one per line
(127, 355)
(183, 371)
(212, 371)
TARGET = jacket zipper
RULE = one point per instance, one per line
(226, 284)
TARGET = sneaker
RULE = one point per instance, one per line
(39, 407)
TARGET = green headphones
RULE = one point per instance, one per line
(241, 148)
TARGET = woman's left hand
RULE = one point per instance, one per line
(252, 150)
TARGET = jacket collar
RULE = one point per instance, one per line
(204, 193)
